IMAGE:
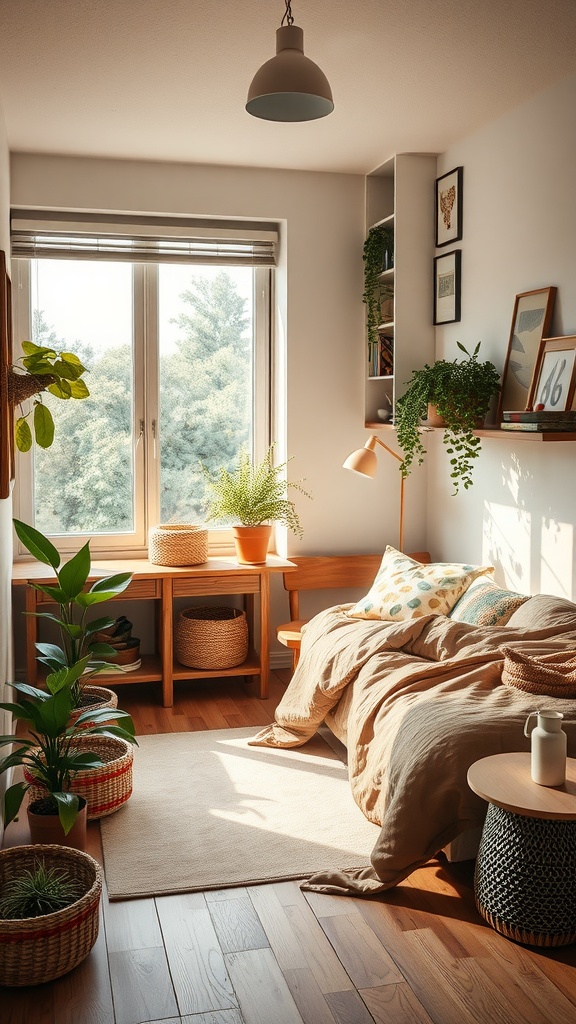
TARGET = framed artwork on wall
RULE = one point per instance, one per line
(449, 207)
(447, 287)
(555, 375)
(530, 323)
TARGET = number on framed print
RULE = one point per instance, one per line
(555, 374)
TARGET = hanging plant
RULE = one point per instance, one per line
(42, 369)
(461, 392)
(380, 241)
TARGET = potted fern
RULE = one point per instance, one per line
(459, 392)
(251, 498)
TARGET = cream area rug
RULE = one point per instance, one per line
(209, 812)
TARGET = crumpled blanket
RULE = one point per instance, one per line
(427, 701)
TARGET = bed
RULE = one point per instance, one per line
(417, 699)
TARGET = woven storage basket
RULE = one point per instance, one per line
(105, 789)
(38, 949)
(108, 699)
(211, 638)
(177, 544)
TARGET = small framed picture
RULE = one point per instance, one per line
(447, 287)
(555, 375)
(530, 323)
(449, 207)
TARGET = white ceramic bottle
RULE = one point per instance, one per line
(548, 748)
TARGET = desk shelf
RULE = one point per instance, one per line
(162, 584)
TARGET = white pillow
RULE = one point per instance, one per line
(407, 589)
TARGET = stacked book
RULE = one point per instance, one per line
(540, 421)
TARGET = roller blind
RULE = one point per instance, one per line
(38, 234)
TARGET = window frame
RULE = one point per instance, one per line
(146, 443)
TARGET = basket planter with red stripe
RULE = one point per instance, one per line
(36, 950)
(103, 698)
(105, 788)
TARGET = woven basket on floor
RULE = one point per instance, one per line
(38, 949)
(177, 544)
(107, 699)
(211, 638)
(105, 789)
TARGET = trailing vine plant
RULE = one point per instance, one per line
(461, 392)
(379, 241)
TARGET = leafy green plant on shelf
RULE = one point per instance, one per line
(254, 493)
(40, 369)
(80, 656)
(461, 391)
(379, 242)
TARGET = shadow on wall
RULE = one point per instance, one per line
(529, 526)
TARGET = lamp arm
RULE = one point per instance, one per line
(371, 444)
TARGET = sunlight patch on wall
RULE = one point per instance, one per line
(506, 544)
(556, 558)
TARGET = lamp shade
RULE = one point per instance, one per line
(289, 86)
(362, 461)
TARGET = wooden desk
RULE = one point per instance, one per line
(162, 584)
(524, 882)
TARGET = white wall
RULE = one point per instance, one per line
(5, 504)
(321, 329)
(519, 234)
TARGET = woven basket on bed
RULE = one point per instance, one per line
(211, 638)
(177, 544)
(38, 949)
(105, 789)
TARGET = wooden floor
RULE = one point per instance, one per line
(272, 954)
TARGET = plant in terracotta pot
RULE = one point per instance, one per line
(461, 392)
(252, 497)
(40, 369)
(81, 647)
(50, 753)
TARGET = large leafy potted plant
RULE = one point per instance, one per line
(251, 498)
(40, 369)
(79, 636)
(460, 393)
(52, 753)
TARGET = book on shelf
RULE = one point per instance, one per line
(539, 416)
(538, 427)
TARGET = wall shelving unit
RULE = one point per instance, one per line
(400, 195)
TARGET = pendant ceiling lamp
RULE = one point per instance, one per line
(289, 87)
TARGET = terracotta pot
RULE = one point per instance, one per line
(251, 544)
(47, 829)
(434, 420)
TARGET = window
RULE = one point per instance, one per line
(178, 361)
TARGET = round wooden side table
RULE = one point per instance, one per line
(525, 880)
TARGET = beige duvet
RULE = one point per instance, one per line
(426, 701)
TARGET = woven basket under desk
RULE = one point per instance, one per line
(211, 638)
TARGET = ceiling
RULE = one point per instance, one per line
(139, 79)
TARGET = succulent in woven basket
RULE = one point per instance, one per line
(254, 493)
(42, 368)
(36, 950)
(40, 889)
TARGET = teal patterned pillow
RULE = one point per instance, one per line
(487, 604)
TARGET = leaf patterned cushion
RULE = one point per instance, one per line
(405, 589)
(487, 604)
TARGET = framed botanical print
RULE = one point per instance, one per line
(449, 207)
(530, 323)
(447, 287)
(555, 375)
